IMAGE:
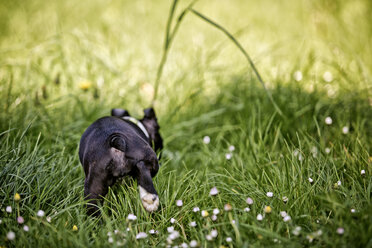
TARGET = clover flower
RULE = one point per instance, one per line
(340, 230)
(193, 224)
(345, 130)
(227, 207)
(214, 191)
(206, 140)
(339, 183)
(10, 235)
(174, 235)
(260, 217)
(170, 229)
(184, 245)
(8, 209)
(141, 235)
(131, 217)
(296, 231)
(328, 120)
(214, 233)
(228, 239)
(17, 197)
(327, 150)
(249, 201)
(214, 217)
(208, 237)
(287, 218)
(247, 209)
(193, 243)
(26, 228)
(228, 156)
(172, 220)
(283, 213)
(20, 220)
(216, 211)
(270, 194)
(231, 148)
(196, 209)
(179, 203)
(40, 213)
(110, 240)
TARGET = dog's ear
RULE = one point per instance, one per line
(118, 112)
(149, 113)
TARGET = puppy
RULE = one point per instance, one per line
(117, 146)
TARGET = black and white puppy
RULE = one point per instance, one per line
(117, 146)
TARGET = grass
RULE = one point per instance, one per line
(206, 89)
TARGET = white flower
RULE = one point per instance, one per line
(116, 231)
(310, 180)
(196, 209)
(228, 239)
(110, 240)
(296, 152)
(296, 231)
(1, 221)
(214, 217)
(193, 224)
(231, 148)
(193, 243)
(340, 230)
(285, 199)
(233, 221)
(49, 219)
(283, 213)
(170, 229)
(214, 191)
(204, 213)
(131, 217)
(327, 150)
(345, 130)
(300, 157)
(184, 245)
(339, 183)
(362, 172)
(297, 76)
(259, 217)
(128, 229)
(206, 140)
(8, 209)
(228, 156)
(314, 151)
(249, 201)
(328, 120)
(174, 235)
(310, 238)
(141, 235)
(287, 218)
(319, 233)
(214, 233)
(179, 203)
(208, 237)
(152, 231)
(270, 194)
(227, 207)
(216, 211)
(26, 228)
(172, 220)
(247, 209)
(10, 235)
(327, 76)
(40, 213)
(352, 210)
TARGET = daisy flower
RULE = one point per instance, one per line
(141, 235)
(216, 211)
(131, 217)
(196, 209)
(297, 75)
(259, 217)
(247, 209)
(40, 213)
(228, 239)
(206, 140)
(340, 231)
(193, 224)
(179, 203)
(270, 194)
(20, 220)
(249, 201)
(214, 191)
(8, 209)
(193, 243)
(328, 120)
(285, 199)
(227, 207)
(204, 213)
(10, 235)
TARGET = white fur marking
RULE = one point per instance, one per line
(147, 200)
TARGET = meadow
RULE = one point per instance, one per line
(282, 162)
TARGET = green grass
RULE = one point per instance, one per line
(207, 89)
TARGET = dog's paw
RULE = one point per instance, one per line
(149, 201)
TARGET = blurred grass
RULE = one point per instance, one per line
(48, 48)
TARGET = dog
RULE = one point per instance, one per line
(120, 145)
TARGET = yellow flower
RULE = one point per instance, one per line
(267, 209)
(17, 197)
(204, 213)
(85, 85)
(74, 228)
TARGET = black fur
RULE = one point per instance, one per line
(112, 148)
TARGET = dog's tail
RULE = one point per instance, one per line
(117, 141)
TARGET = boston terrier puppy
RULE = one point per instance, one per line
(117, 146)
